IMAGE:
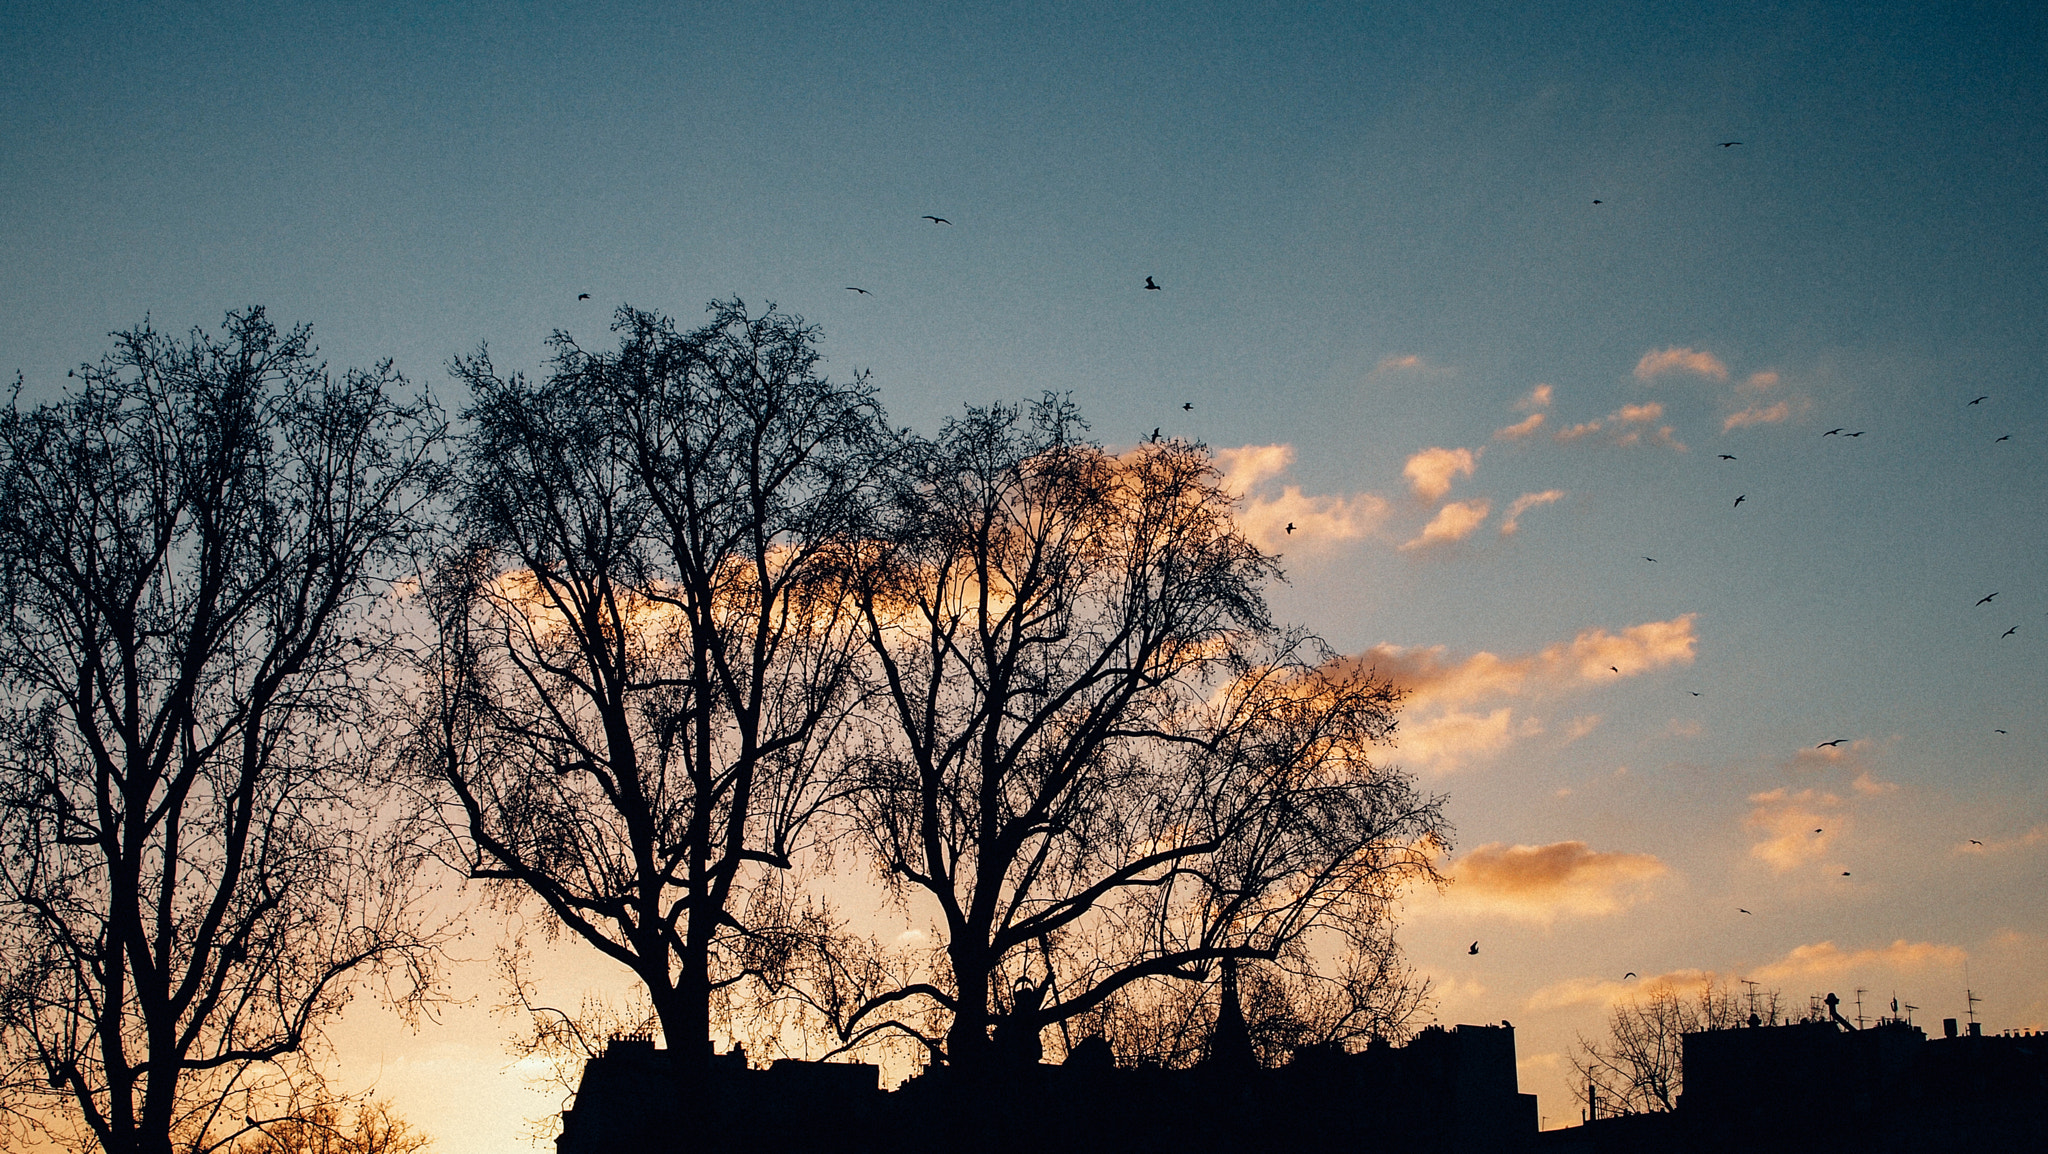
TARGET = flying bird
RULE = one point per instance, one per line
(1155, 434)
(1857, 433)
(2008, 633)
(582, 296)
(1740, 910)
(1187, 407)
(2007, 437)
(1151, 284)
(1726, 457)
(1616, 668)
(1596, 202)
(1694, 692)
(1845, 873)
(1816, 831)
(938, 220)
(1831, 744)
(1740, 500)
(1974, 841)
(1979, 400)
(1652, 560)
(1474, 949)
(1625, 977)
(1730, 143)
(861, 291)
(1986, 597)
(1832, 432)
(1998, 731)
(1290, 527)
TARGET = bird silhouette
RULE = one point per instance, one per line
(1616, 668)
(1694, 692)
(1730, 143)
(1740, 500)
(938, 220)
(1857, 433)
(1816, 831)
(1979, 400)
(1740, 910)
(1986, 597)
(1474, 949)
(2008, 633)
(1652, 560)
(1998, 731)
(1290, 527)
(1187, 407)
(1726, 457)
(1831, 744)
(861, 291)
(1596, 202)
(1151, 284)
(1845, 873)
(1974, 841)
(2007, 437)
(1625, 977)
(1155, 435)
(582, 296)
(1833, 432)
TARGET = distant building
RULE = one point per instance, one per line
(1449, 1091)
(1823, 1086)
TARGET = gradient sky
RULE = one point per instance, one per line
(1382, 260)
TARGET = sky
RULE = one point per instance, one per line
(1474, 295)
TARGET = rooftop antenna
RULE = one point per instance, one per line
(1751, 995)
(1859, 1007)
(1970, 998)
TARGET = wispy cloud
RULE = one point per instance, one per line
(1458, 709)
(1401, 362)
(1538, 398)
(1608, 991)
(1637, 414)
(1525, 427)
(1431, 471)
(1265, 508)
(1677, 360)
(1795, 829)
(1765, 415)
(1826, 960)
(1625, 426)
(1760, 382)
(1454, 522)
(1523, 504)
(1542, 882)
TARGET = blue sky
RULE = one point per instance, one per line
(1377, 235)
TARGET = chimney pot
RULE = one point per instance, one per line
(1948, 1027)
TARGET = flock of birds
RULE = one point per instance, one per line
(1152, 285)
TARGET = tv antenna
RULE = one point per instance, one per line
(1971, 997)
(1859, 1007)
(1751, 995)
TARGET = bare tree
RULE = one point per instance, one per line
(1637, 1068)
(194, 554)
(1095, 754)
(645, 648)
(370, 1128)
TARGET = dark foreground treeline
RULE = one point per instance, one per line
(652, 641)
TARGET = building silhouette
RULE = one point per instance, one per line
(1822, 1086)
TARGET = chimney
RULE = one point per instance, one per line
(1976, 1029)
(1948, 1027)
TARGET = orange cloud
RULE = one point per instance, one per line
(1541, 882)
(1454, 522)
(1523, 504)
(1583, 429)
(1399, 362)
(1595, 655)
(1607, 992)
(1538, 398)
(1527, 426)
(1770, 415)
(1264, 515)
(1786, 822)
(1447, 740)
(1637, 414)
(1677, 360)
(1824, 960)
(1431, 471)
(1618, 434)
(1758, 382)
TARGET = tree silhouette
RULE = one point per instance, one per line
(195, 549)
(1637, 1068)
(1094, 753)
(645, 649)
